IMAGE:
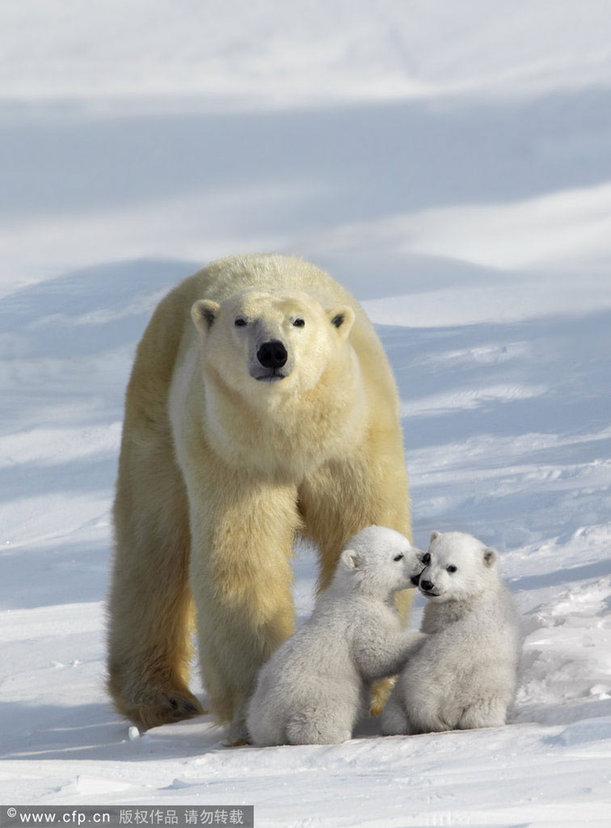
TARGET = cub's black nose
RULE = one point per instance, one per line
(427, 586)
(272, 354)
(415, 580)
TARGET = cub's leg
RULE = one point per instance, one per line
(429, 713)
(329, 722)
(266, 728)
(485, 712)
(394, 718)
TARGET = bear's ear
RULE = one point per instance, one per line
(203, 313)
(434, 535)
(342, 318)
(489, 557)
(350, 559)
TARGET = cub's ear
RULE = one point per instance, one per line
(350, 559)
(490, 557)
(203, 313)
(434, 535)
(342, 318)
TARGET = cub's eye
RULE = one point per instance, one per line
(398, 557)
(452, 568)
(240, 322)
(426, 559)
(299, 323)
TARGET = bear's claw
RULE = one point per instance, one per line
(164, 709)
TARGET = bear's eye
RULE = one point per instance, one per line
(398, 557)
(426, 559)
(299, 323)
(452, 568)
(240, 322)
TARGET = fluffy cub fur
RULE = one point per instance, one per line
(464, 674)
(314, 686)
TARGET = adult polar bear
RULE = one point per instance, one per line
(276, 413)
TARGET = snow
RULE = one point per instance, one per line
(450, 164)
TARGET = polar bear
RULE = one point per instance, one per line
(464, 675)
(260, 405)
(316, 683)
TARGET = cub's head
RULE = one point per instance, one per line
(457, 567)
(379, 561)
(258, 341)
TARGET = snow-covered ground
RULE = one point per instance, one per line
(450, 164)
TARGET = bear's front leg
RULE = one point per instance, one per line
(243, 529)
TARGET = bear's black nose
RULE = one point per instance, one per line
(272, 354)
(415, 580)
(427, 586)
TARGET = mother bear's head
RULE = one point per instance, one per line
(255, 341)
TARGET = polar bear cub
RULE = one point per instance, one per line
(315, 685)
(464, 674)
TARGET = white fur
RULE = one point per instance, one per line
(314, 686)
(464, 674)
(228, 452)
